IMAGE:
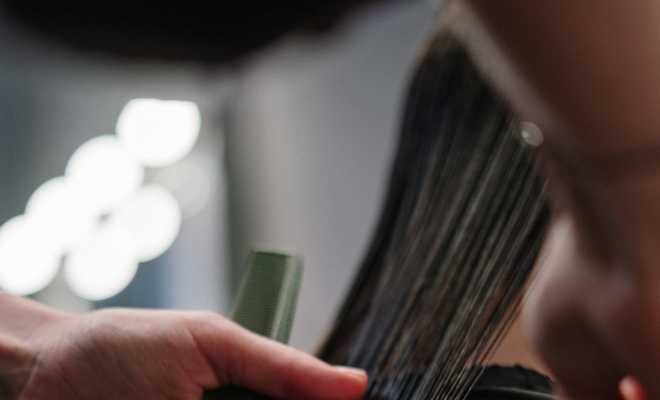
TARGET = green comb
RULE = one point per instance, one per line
(266, 305)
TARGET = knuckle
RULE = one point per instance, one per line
(205, 318)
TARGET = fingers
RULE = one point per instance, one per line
(631, 389)
(628, 389)
(242, 358)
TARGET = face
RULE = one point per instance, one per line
(592, 88)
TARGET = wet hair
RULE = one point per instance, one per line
(463, 221)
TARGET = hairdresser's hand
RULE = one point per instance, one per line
(121, 354)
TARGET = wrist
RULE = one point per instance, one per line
(17, 359)
(24, 319)
(24, 324)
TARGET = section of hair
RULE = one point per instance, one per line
(462, 225)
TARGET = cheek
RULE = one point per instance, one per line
(559, 320)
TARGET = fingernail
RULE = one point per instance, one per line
(358, 373)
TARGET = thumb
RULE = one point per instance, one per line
(242, 358)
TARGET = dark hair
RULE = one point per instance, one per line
(463, 221)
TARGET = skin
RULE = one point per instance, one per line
(588, 74)
(133, 354)
(516, 349)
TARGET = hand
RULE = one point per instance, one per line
(122, 354)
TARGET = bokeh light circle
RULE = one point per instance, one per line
(153, 218)
(159, 132)
(61, 209)
(29, 260)
(103, 266)
(105, 172)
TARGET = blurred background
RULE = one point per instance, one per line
(290, 151)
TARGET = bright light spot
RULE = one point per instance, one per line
(28, 259)
(106, 173)
(103, 266)
(159, 132)
(60, 208)
(153, 217)
(531, 134)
